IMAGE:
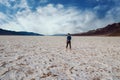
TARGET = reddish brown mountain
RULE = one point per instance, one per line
(109, 30)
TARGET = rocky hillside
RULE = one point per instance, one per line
(109, 30)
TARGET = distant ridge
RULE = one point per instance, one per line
(7, 32)
(109, 30)
(59, 35)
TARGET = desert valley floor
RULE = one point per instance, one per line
(46, 58)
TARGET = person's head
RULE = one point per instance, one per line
(68, 33)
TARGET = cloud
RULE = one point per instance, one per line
(2, 16)
(50, 19)
(14, 4)
(56, 18)
(114, 12)
(5, 2)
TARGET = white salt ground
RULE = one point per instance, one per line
(45, 58)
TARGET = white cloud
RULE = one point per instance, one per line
(22, 4)
(2, 16)
(5, 2)
(50, 19)
(114, 12)
(4, 19)
(55, 19)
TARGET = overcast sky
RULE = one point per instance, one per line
(58, 16)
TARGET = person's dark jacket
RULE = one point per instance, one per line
(68, 38)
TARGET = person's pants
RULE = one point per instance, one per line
(68, 43)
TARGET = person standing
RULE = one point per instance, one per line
(68, 43)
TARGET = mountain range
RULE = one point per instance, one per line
(109, 30)
(7, 32)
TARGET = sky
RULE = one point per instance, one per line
(50, 17)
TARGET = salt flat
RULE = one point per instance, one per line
(45, 58)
